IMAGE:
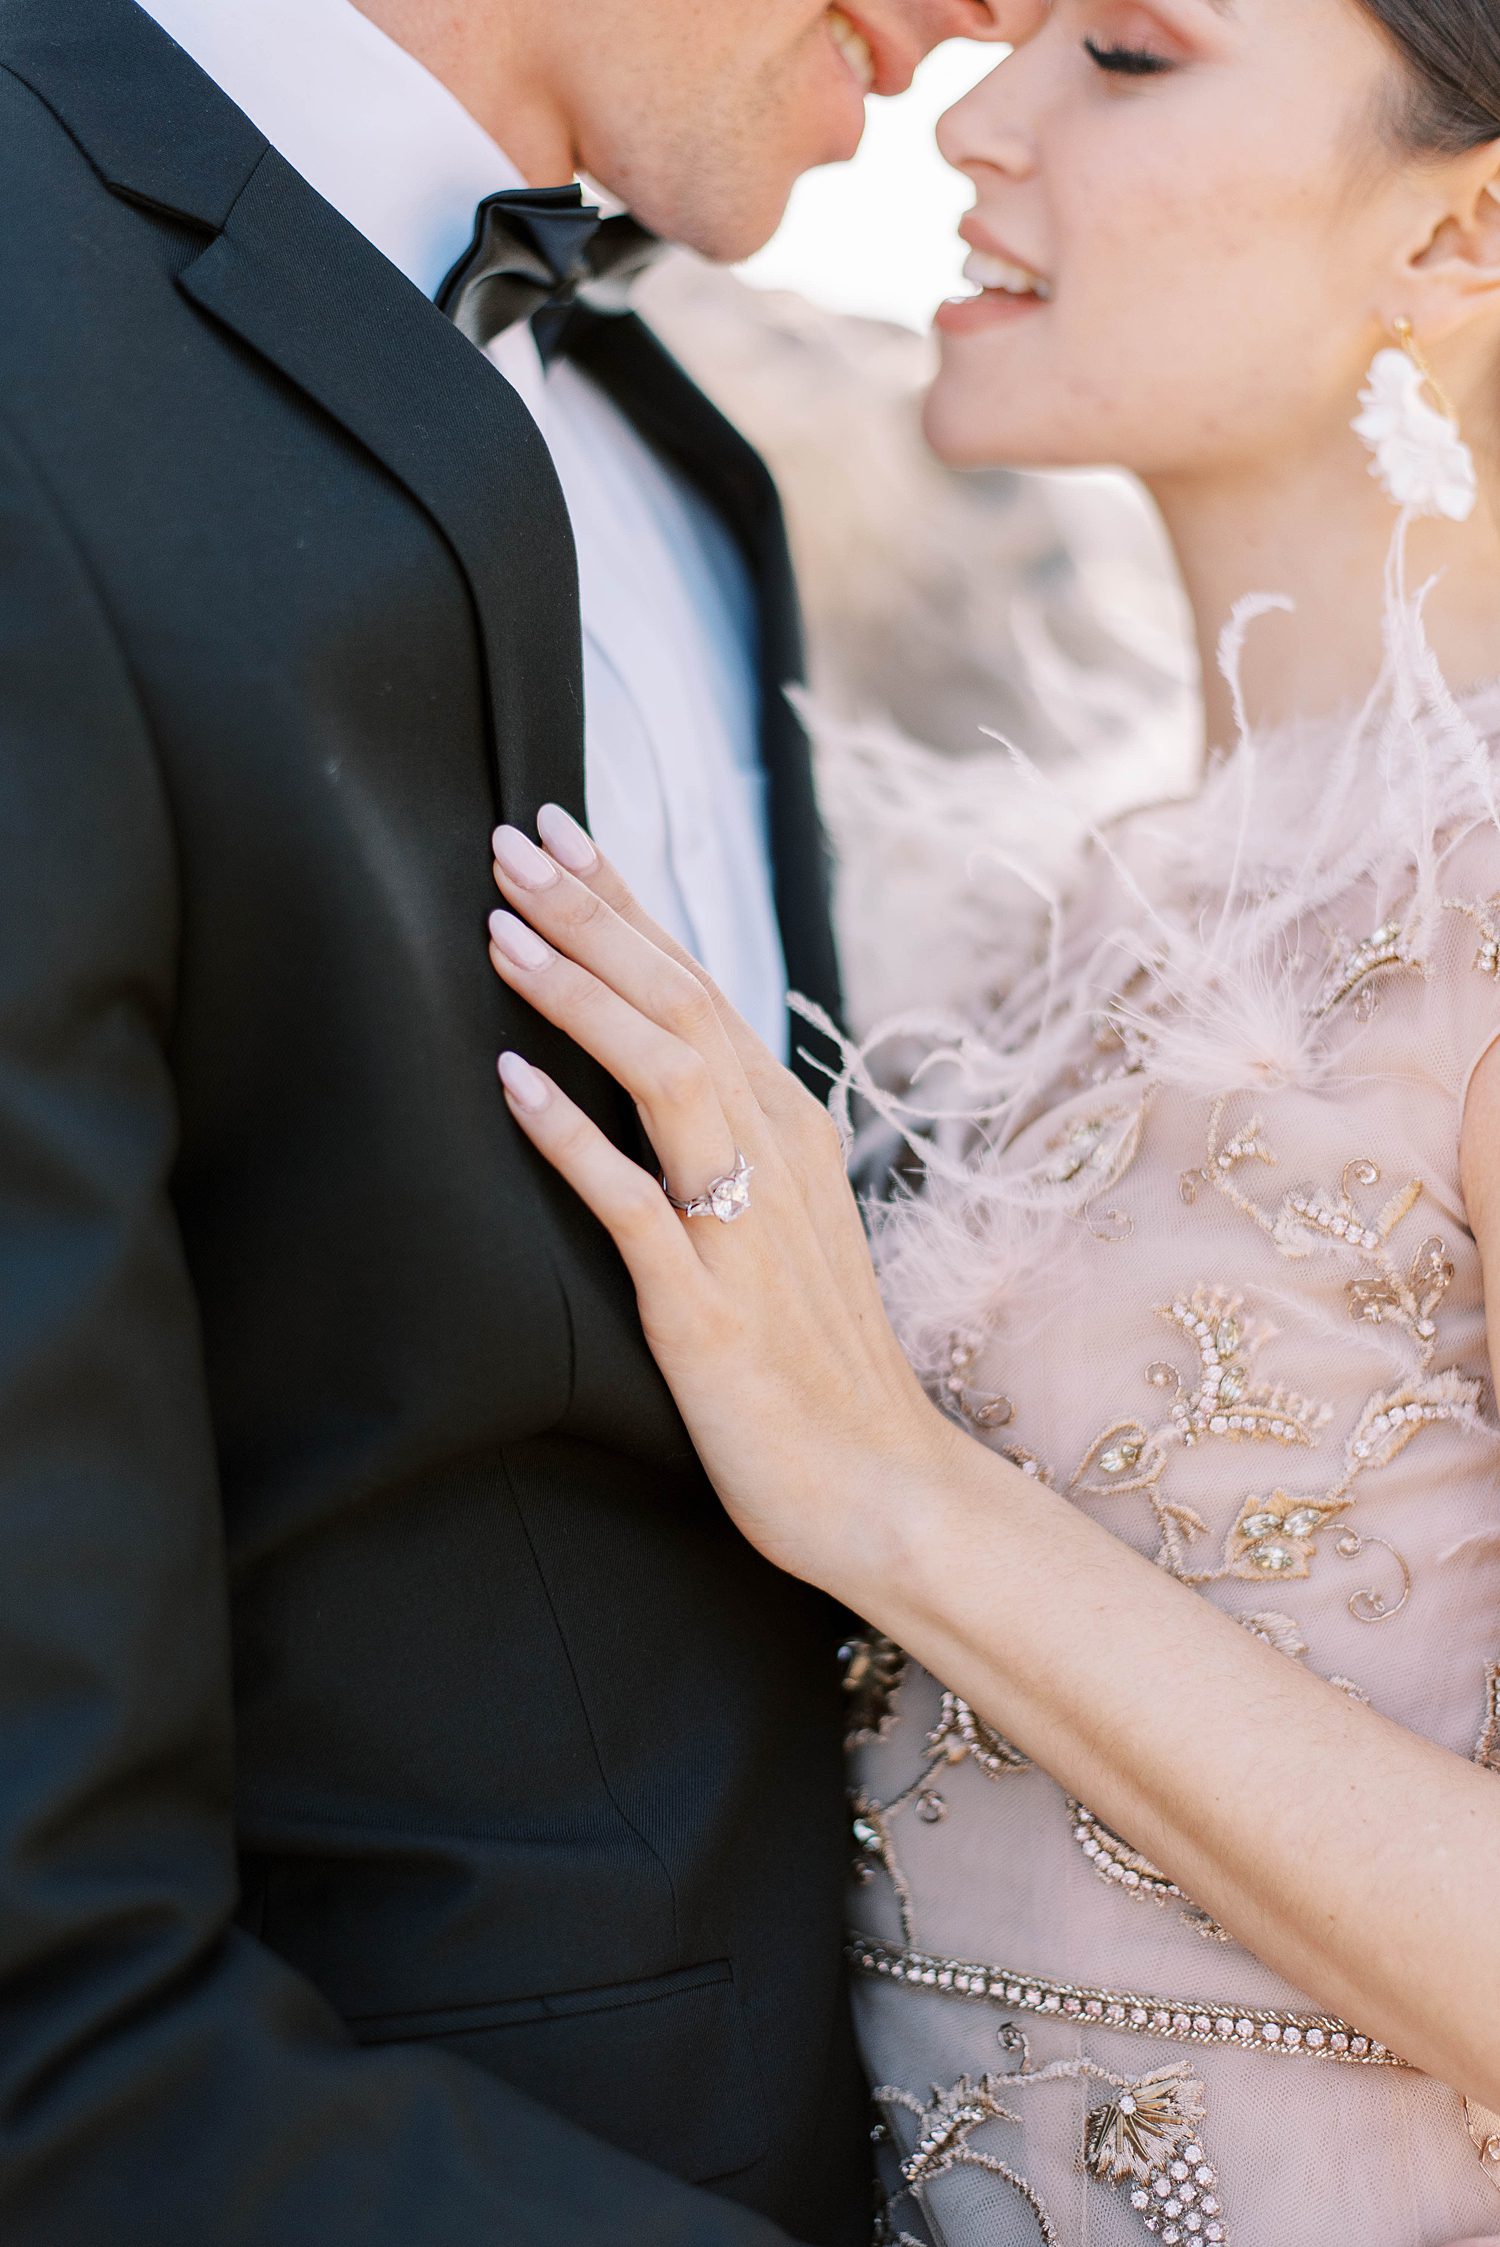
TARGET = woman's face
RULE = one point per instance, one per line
(1203, 194)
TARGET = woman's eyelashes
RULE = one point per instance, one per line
(1127, 62)
(1131, 40)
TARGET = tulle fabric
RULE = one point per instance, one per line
(1299, 961)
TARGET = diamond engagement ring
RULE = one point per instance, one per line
(726, 1199)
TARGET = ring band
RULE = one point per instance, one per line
(726, 1199)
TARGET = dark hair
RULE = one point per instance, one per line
(1452, 48)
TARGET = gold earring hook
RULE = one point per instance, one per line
(1407, 338)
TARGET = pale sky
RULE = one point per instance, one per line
(877, 236)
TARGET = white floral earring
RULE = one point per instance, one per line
(1407, 422)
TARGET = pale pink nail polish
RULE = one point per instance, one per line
(522, 1082)
(517, 856)
(566, 840)
(520, 944)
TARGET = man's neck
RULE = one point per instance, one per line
(488, 60)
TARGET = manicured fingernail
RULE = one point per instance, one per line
(566, 840)
(519, 857)
(521, 1081)
(520, 944)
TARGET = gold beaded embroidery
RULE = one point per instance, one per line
(1487, 1747)
(961, 1399)
(1117, 1863)
(1227, 1400)
(874, 1853)
(1315, 1219)
(959, 1733)
(874, 1669)
(1486, 919)
(1387, 947)
(1143, 2141)
(1310, 2036)
(945, 2125)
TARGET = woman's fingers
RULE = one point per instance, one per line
(575, 897)
(580, 855)
(671, 1083)
(581, 924)
(626, 1200)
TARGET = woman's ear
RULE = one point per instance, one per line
(1456, 274)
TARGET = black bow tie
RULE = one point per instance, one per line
(533, 250)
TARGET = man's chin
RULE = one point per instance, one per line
(728, 236)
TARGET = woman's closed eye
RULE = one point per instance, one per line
(1133, 42)
(1127, 62)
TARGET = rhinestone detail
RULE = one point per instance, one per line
(1313, 2036)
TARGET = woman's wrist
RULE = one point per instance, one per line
(921, 1499)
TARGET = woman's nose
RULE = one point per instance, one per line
(977, 133)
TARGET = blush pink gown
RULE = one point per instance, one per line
(1209, 1272)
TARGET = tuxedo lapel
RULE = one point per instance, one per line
(620, 353)
(307, 292)
(293, 280)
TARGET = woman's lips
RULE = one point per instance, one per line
(975, 315)
(1007, 290)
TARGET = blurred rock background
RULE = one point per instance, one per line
(943, 609)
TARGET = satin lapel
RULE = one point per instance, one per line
(307, 292)
(672, 414)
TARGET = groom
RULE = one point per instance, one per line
(420, 1816)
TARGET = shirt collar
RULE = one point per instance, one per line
(363, 121)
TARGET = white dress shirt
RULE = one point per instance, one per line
(676, 790)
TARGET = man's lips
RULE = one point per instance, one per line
(891, 67)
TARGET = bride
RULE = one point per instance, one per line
(1162, 1460)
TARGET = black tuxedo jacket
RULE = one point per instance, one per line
(421, 1817)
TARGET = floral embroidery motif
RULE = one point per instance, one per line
(1484, 2129)
(986, 1413)
(1227, 1400)
(875, 1854)
(1281, 1634)
(1278, 1632)
(1314, 1220)
(1388, 946)
(874, 1669)
(1412, 1302)
(960, 1733)
(1145, 2141)
(1486, 918)
(1097, 1149)
(1277, 1536)
(1116, 1862)
(1372, 1606)
(946, 2124)
(1487, 1747)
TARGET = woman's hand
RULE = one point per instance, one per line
(770, 1329)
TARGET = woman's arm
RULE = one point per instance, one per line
(1354, 1858)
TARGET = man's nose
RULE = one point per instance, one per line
(1010, 22)
(1013, 21)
